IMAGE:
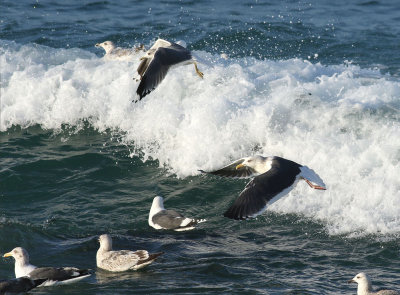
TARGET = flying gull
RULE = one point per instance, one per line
(121, 260)
(159, 218)
(365, 286)
(19, 285)
(51, 275)
(273, 177)
(155, 64)
(118, 53)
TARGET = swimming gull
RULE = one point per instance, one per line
(121, 260)
(365, 286)
(159, 218)
(158, 60)
(19, 285)
(118, 53)
(273, 177)
(51, 275)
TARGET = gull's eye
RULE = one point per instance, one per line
(105, 43)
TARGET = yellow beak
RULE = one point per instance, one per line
(239, 166)
(7, 254)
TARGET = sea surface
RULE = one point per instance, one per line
(317, 82)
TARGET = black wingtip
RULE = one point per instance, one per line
(38, 282)
(154, 256)
(245, 207)
(84, 272)
(141, 90)
(136, 100)
(229, 215)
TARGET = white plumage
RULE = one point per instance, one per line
(118, 53)
(365, 287)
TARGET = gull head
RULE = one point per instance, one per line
(363, 281)
(20, 255)
(257, 163)
(105, 242)
(108, 46)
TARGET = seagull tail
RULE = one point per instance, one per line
(312, 178)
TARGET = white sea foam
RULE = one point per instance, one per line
(340, 120)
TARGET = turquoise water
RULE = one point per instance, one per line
(315, 82)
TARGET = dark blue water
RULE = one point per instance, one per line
(316, 82)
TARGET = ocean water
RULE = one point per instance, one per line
(317, 82)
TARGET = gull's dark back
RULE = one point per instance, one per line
(57, 273)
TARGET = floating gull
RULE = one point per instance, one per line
(159, 218)
(158, 60)
(117, 53)
(121, 260)
(19, 285)
(365, 286)
(51, 275)
(274, 177)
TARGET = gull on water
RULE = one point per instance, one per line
(273, 177)
(121, 260)
(365, 287)
(155, 64)
(50, 275)
(159, 218)
(19, 285)
(118, 53)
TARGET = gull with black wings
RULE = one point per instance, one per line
(155, 64)
(50, 275)
(273, 177)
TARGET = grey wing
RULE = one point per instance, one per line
(231, 171)
(260, 190)
(158, 67)
(168, 219)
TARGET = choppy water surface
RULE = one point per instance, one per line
(314, 82)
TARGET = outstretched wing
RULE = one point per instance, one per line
(157, 69)
(265, 188)
(231, 171)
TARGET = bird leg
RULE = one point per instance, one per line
(313, 185)
(198, 72)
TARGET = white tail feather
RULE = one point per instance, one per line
(311, 176)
